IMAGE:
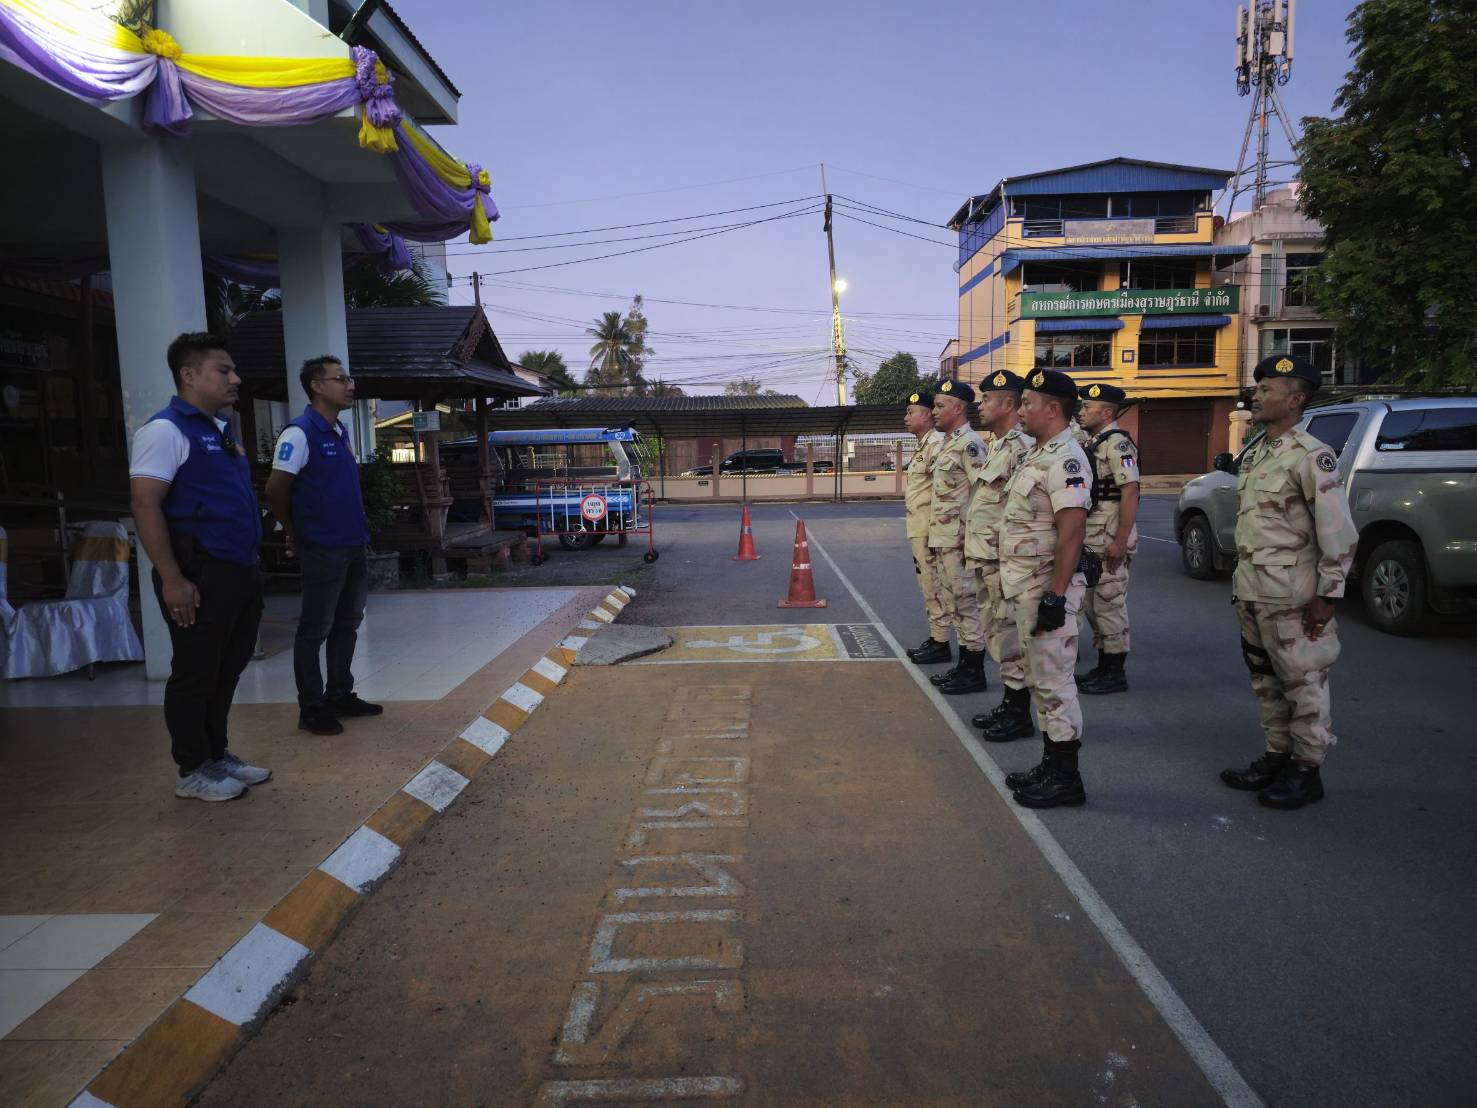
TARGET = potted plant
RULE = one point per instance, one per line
(381, 489)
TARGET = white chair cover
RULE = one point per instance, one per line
(91, 625)
(7, 613)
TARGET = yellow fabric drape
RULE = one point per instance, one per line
(267, 72)
(455, 174)
(79, 21)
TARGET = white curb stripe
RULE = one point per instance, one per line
(362, 859)
(552, 670)
(1218, 1069)
(239, 986)
(485, 735)
(628, 591)
(522, 697)
(437, 785)
(589, 625)
(602, 615)
(574, 642)
(618, 599)
(84, 1099)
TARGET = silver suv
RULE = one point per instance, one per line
(1409, 465)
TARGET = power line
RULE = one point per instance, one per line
(659, 192)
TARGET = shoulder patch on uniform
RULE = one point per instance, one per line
(284, 452)
(1125, 447)
(1072, 466)
(1327, 463)
(974, 450)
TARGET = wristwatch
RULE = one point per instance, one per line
(1049, 597)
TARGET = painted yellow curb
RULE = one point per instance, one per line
(173, 1060)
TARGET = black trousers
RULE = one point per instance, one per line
(335, 590)
(209, 656)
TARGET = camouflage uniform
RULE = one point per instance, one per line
(918, 498)
(1004, 455)
(1054, 476)
(1294, 540)
(1116, 461)
(953, 479)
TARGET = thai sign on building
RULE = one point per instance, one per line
(1116, 231)
(1225, 300)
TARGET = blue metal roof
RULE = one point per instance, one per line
(1118, 175)
(1162, 322)
(561, 436)
(1012, 258)
(1095, 323)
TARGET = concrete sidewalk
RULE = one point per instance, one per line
(115, 896)
(761, 883)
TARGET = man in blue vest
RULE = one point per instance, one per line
(198, 519)
(314, 493)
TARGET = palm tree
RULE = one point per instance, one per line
(620, 352)
(366, 287)
(550, 364)
(658, 387)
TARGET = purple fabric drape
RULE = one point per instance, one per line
(388, 249)
(90, 76)
(268, 107)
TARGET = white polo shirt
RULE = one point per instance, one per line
(160, 448)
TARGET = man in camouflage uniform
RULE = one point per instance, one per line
(1294, 544)
(1006, 447)
(954, 475)
(918, 498)
(1111, 533)
(1040, 554)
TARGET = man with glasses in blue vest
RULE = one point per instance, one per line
(314, 493)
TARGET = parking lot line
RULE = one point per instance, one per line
(1219, 1070)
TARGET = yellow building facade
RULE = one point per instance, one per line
(1109, 272)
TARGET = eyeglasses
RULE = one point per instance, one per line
(342, 378)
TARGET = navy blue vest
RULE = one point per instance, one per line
(327, 502)
(211, 499)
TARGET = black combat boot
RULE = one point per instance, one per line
(1107, 678)
(1258, 775)
(1295, 786)
(969, 677)
(1092, 673)
(937, 679)
(1060, 786)
(930, 652)
(1017, 781)
(1010, 720)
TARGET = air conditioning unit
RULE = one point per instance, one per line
(1264, 309)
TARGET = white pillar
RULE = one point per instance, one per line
(313, 320)
(158, 292)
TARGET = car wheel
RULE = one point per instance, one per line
(1393, 581)
(582, 541)
(1195, 549)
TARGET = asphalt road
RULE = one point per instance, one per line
(1330, 952)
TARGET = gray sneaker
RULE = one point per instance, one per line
(247, 775)
(209, 782)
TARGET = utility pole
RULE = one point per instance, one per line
(477, 289)
(838, 340)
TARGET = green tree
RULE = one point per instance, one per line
(747, 386)
(366, 287)
(658, 387)
(618, 356)
(1392, 181)
(550, 363)
(895, 380)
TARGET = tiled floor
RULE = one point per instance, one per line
(93, 835)
(397, 659)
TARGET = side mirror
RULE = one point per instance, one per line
(1226, 463)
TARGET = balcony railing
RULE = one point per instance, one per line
(1042, 228)
(1176, 225)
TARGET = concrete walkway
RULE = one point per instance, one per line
(115, 896)
(716, 881)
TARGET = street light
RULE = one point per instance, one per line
(840, 284)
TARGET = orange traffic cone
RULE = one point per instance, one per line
(746, 540)
(802, 586)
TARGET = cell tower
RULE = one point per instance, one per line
(1264, 31)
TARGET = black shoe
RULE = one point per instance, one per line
(937, 679)
(1092, 673)
(1295, 786)
(345, 707)
(319, 721)
(931, 652)
(969, 677)
(1010, 720)
(1060, 786)
(1017, 781)
(1107, 678)
(1259, 774)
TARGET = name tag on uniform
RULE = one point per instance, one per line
(211, 443)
